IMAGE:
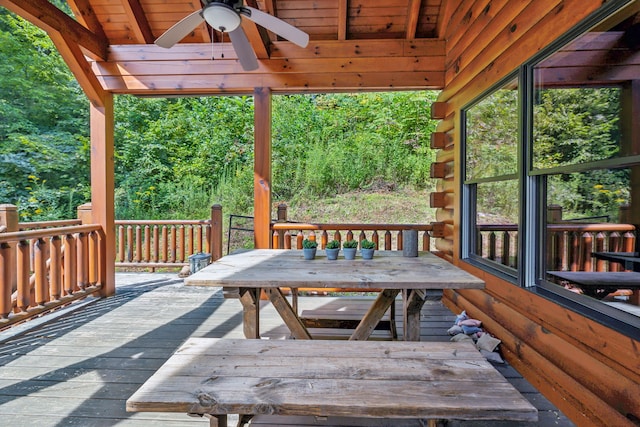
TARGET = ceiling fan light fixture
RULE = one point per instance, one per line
(221, 17)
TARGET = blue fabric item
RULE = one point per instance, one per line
(470, 329)
(462, 316)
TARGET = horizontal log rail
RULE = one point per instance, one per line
(569, 245)
(290, 235)
(48, 224)
(41, 270)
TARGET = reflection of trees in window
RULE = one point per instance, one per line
(497, 202)
(591, 194)
(492, 135)
(575, 126)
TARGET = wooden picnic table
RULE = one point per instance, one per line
(630, 260)
(370, 379)
(600, 284)
(271, 270)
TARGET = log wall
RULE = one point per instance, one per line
(591, 372)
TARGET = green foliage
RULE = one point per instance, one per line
(333, 244)
(367, 244)
(176, 157)
(309, 244)
(350, 244)
(44, 132)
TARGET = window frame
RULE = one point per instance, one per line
(469, 190)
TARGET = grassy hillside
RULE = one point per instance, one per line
(380, 206)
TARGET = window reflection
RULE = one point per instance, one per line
(584, 96)
(492, 134)
(586, 138)
(497, 212)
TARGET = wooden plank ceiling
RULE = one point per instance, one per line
(354, 45)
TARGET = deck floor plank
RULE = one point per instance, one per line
(81, 368)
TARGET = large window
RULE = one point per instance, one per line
(563, 183)
(491, 166)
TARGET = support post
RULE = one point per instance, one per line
(102, 188)
(216, 232)
(262, 168)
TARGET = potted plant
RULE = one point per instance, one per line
(349, 247)
(309, 248)
(367, 248)
(332, 249)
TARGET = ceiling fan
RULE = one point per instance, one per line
(225, 16)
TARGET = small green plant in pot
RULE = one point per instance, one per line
(350, 247)
(309, 248)
(332, 249)
(367, 248)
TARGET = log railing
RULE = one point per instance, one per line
(569, 245)
(290, 235)
(47, 268)
(149, 243)
(167, 243)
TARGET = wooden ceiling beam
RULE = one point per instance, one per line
(317, 49)
(343, 19)
(52, 20)
(328, 66)
(257, 35)
(138, 21)
(412, 18)
(85, 14)
(219, 84)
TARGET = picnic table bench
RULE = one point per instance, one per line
(331, 378)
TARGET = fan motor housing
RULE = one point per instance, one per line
(221, 16)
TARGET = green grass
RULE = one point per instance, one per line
(397, 206)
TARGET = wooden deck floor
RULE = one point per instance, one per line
(79, 369)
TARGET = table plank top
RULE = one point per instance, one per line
(332, 378)
(287, 268)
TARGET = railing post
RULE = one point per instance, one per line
(282, 217)
(5, 290)
(9, 219)
(554, 214)
(624, 214)
(216, 232)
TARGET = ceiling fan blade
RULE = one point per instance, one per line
(241, 45)
(277, 26)
(180, 30)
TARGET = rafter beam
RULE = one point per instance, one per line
(52, 20)
(138, 20)
(413, 14)
(447, 7)
(343, 19)
(85, 14)
(258, 36)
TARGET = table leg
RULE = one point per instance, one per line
(374, 314)
(250, 299)
(217, 420)
(412, 302)
(293, 322)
